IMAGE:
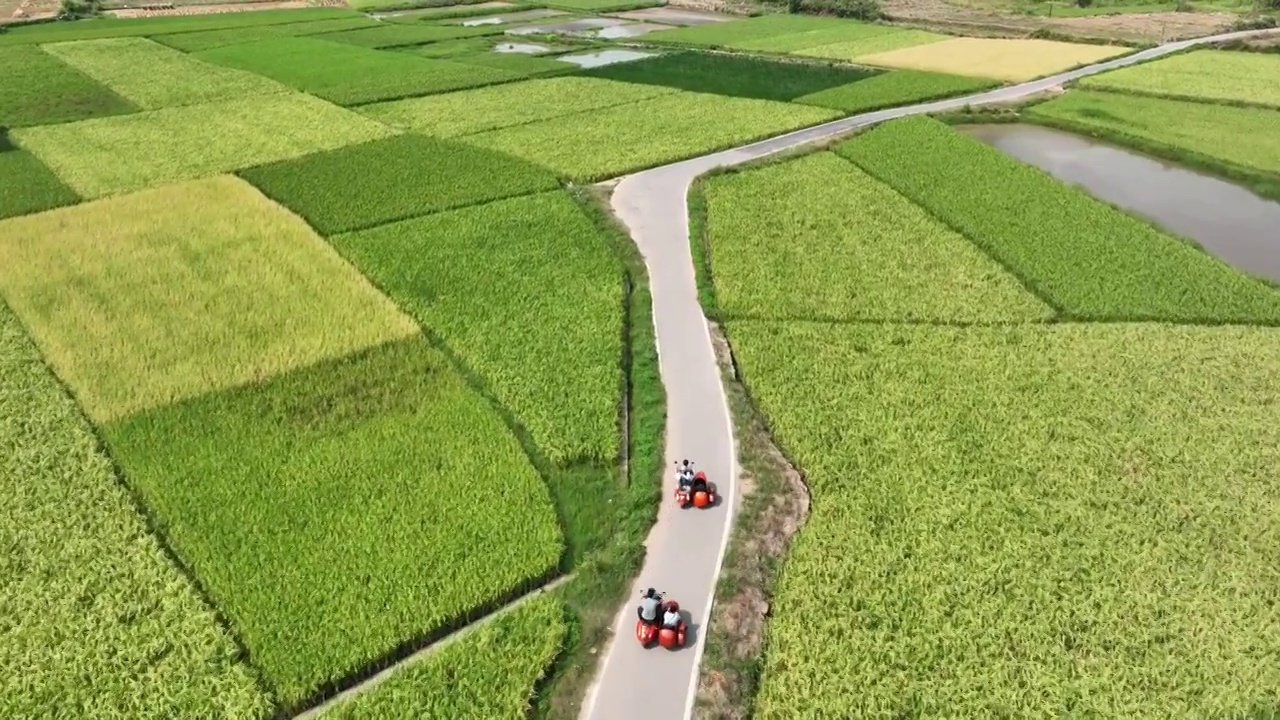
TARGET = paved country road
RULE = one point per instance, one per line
(685, 549)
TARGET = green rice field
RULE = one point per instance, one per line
(320, 355)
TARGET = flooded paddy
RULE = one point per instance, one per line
(604, 57)
(504, 18)
(619, 32)
(579, 26)
(1225, 219)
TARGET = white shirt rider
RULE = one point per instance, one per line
(671, 619)
(686, 474)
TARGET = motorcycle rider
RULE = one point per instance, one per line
(684, 474)
(650, 607)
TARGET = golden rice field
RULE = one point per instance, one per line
(997, 58)
(124, 288)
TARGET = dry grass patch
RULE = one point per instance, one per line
(1002, 59)
(131, 152)
(147, 299)
(154, 76)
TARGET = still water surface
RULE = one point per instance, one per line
(1225, 219)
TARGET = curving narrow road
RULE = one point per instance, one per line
(685, 549)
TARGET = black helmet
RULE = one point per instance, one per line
(650, 592)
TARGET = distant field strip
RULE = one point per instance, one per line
(526, 291)
(137, 27)
(798, 34)
(1034, 521)
(392, 35)
(816, 238)
(1091, 260)
(126, 297)
(611, 142)
(490, 673)
(1213, 131)
(765, 28)
(340, 510)
(349, 74)
(40, 89)
(894, 88)
(997, 58)
(97, 621)
(877, 43)
(474, 111)
(122, 154)
(197, 41)
(154, 76)
(398, 178)
(1206, 75)
(732, 75)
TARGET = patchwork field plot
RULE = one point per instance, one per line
(393, 35)
(526, 66)
(140, 27)
(733, 75)
(816, 238)
(388, 450)
(121, 154)
(474, 111)
(1024, 521)
(736, 33)
(350, 75)
(608, 143)
(29, 186)
(871, 44)
(1211, 75)
(197, 41)
(841, 36)
(890, 89)
(1211, 131)
(1001, 59)
(397, 178)
(449, 49)
(490, 673)
(89, 596)
(528, 294)
(1090, 260)
(125, 296)
(153, 76)
(40, 89)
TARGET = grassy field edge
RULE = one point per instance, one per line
(774, 507)
(604, 578)
(774, 501)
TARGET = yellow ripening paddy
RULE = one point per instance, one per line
(1000, 59)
